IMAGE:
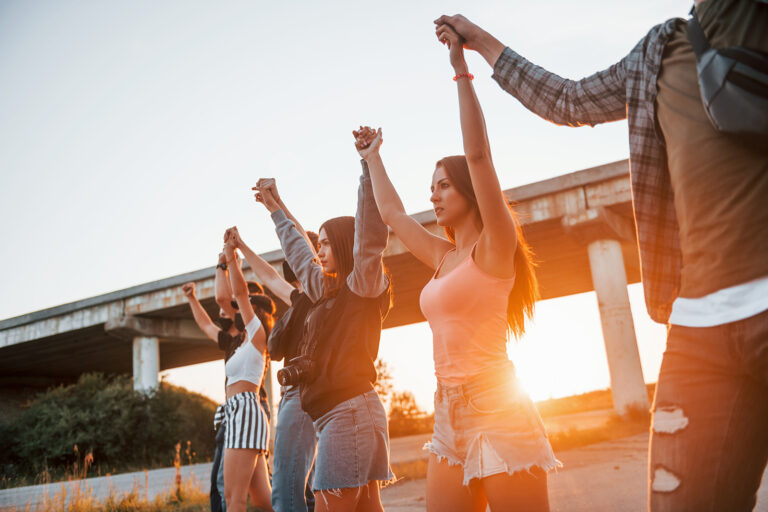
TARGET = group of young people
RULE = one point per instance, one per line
(704, 273)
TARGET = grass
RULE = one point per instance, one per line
(84, 467)
(592, 401)
(188, 497)
(614, 428)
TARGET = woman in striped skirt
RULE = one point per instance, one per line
(247, 427)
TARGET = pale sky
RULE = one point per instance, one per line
(131, 133)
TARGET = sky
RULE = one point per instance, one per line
(131, 133)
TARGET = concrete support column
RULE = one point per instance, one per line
(146, 363)
(610, 281)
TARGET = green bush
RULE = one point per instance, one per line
(105, 417)
(405, 417)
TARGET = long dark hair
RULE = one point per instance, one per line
(525, 291)
(341, 235)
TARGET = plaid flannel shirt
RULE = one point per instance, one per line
(625, 90)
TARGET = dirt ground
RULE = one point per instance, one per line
(608, 477)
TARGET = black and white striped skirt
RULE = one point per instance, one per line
(246, 422)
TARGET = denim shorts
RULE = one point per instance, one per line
(488, 426)
(352, 444)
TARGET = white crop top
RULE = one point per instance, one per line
(247, 363)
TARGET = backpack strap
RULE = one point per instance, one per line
(696, 35)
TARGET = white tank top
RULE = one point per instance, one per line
(247, 363)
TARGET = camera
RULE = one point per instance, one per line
(295, 372)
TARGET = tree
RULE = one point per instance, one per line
(405, 416)
(384, 381)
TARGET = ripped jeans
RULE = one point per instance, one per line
(709, 443)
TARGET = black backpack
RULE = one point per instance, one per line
(733, 82)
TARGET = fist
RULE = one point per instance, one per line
(233, 235)
(448, 36)
(229, 249)
(468, 31)
(265, 196)
(189, 290)
(269, 184)
(367, 141)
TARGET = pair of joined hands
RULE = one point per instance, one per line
(232, 241)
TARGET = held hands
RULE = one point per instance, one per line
(448, 36)
(266, 194)
(271, 185)
(368, 141)
(189, 290)
(233, 235)
(471, 34)
(230, 245)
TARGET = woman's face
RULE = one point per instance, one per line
(325, 254)
(449, 205)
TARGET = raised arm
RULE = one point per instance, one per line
(222, 290)
(202, 319)
(240, 291)
(298, 252)
(498, 240)
(367, 278)
(596, 99)
(427, 247)
(271, 185)
(265, 272)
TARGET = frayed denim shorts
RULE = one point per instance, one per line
(488, 426)
(352, 444)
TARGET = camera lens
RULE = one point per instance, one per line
(288, 376)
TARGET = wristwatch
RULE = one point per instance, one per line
(222, 266)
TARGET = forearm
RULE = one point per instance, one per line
(237, 281)
(299, 255)
(371, 234)
(297, 225)
(473, 128)
(267, 274)
(386, 197)
(490, 48)
(485, 183)
(263, 270)
(202, 319)
(222, 290)
(595, 99)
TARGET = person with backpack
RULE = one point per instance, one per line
(698, 195)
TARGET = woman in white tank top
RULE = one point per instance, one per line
(247, 427)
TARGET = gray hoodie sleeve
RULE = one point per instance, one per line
(371, 234)
(299, 256)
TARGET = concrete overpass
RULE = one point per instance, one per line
(579, 224)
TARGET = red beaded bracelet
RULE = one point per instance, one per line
(462, 75)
